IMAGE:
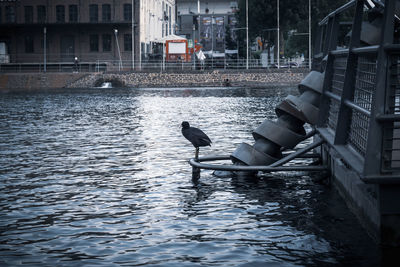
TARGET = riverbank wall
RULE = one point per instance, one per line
(251, 78)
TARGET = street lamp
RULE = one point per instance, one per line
(278, 50)
(133, 36)
(212, 41)
(309, 34)
(119, 52)
(247, 34)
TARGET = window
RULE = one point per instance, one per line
(93, 13)
(127, 42)
(1, 18)
(60, 13)
(10, 14)
(106, 42)
(94, 43)
(73, 13)
(127, 12)
(28, 44)
(106, 12)
(28, 14)
(41, 14)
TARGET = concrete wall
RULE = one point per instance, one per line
(11, 82)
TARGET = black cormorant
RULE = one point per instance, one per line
(196, 136)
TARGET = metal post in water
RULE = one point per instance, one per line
(195, 173)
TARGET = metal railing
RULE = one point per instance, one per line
(113, 65)
(362, 93)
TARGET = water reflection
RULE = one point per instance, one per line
(100, 177)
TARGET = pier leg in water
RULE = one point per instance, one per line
(195, 174)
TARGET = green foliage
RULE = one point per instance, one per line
(229, 43)
(293, 16)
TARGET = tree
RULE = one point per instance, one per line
(293, 16)
(229, 43)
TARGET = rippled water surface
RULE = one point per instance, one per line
(100, 177)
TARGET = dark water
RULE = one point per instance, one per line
(100, 177)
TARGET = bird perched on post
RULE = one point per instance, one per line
(196, 136)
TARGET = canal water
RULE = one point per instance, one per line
(101, 177)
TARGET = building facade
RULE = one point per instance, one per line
(91, 30)
(157, 21)
(215, 18)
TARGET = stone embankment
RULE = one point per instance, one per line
(251, 78)
(199, 79)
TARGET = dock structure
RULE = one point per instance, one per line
(351, 98)
(359, 116)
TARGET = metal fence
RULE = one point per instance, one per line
(362, 96)
(146, 65)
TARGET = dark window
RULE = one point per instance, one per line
(106, 42)
(127, 12)
(28, 44)
(28, 14)
(127, 42)
(94, 43)
(60, 13)
(106, 12)
(73, 13)
(10, 14)
(41, 14)
(93, 13)
(1, 18)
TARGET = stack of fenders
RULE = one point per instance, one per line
(288, 130)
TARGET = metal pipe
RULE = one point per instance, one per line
(339, 52)
(119, 52)
(366, 50)
(200, 165)
(353, 106)
(381, 179)
(339, 10)
(332, 95)
(296, 154)
(388, 117)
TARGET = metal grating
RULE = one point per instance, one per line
(333, 114)
(358, 132)
(363, 94)
(339, 70)
(391, 141)
(365, 81)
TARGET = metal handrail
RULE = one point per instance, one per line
(337, 11)
(366, 50)
(274, 167)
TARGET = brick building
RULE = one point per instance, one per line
(88, 29)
